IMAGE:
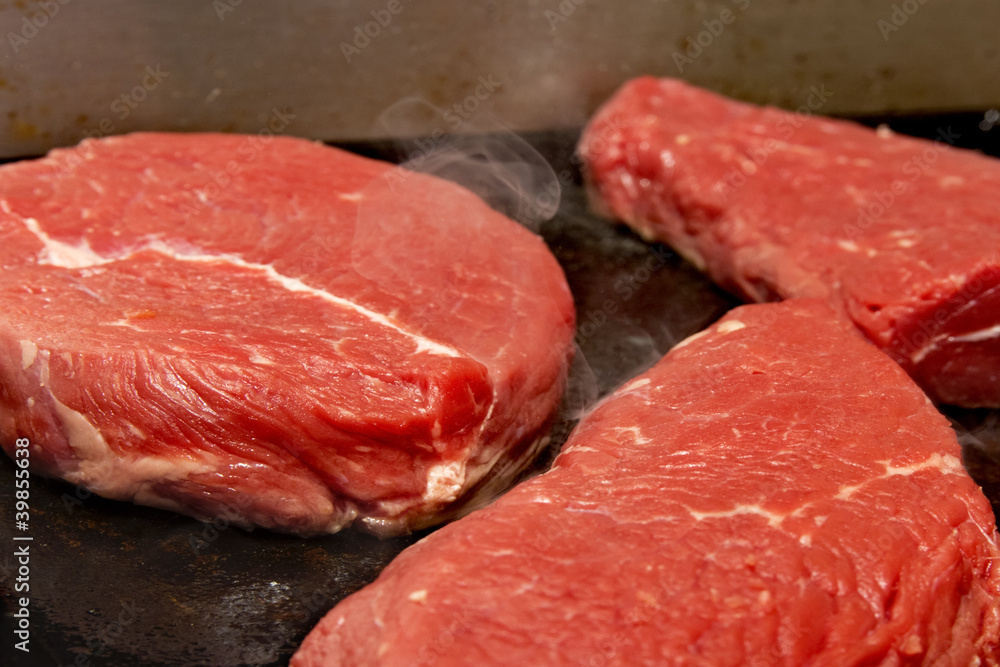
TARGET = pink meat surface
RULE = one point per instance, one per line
(272, 330)
(775, 491)
(901, 234)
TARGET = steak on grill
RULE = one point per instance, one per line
(775, 491)
(272, 330)
(900, 234)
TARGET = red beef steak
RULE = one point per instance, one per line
(901, 234)
(272, 330)
(775, 491)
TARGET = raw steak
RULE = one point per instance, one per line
(271, 330)
(901, 234)
(776, 491)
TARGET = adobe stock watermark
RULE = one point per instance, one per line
(785, 129)
(122, 106)
(900, 14)
(460, 621)
(364, 33)
(549, 196)
(226, 515)
(76, 499)
(933, 327)
(247, 152)
(32, 25)
(456, 116)
(697, 44)
(566, 8)
(22, 545)
(223, 7)
(625, 288)
(129, 101)
(912, 170)
(98, 645)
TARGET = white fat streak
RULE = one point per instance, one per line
(636, 433)
(125, 323)
(28, 353)
(260, 360)
(86, 441)
(691, 339)
(102, 470)
(946, 464)
(978, 336)
(635, 384)
(988, 333)
(774, 520)
(919, 355)
(57, 253)
(43, 373)
(296, 285)
(444, 481)
(120, 477)
(493, 404)
(730, 326)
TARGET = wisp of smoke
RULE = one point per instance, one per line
(481, 155)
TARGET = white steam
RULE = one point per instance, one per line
(479, 153)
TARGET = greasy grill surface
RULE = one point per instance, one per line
(116, 584)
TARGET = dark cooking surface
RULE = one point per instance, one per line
(116, 584)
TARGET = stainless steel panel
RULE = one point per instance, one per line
(328, 69)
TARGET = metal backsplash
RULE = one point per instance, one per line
(331, 69)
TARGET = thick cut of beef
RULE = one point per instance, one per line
(901, 234)
(775, 491)
(272, 330)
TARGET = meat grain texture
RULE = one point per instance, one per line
(271, 330)
(900, 234)
(775, 491)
